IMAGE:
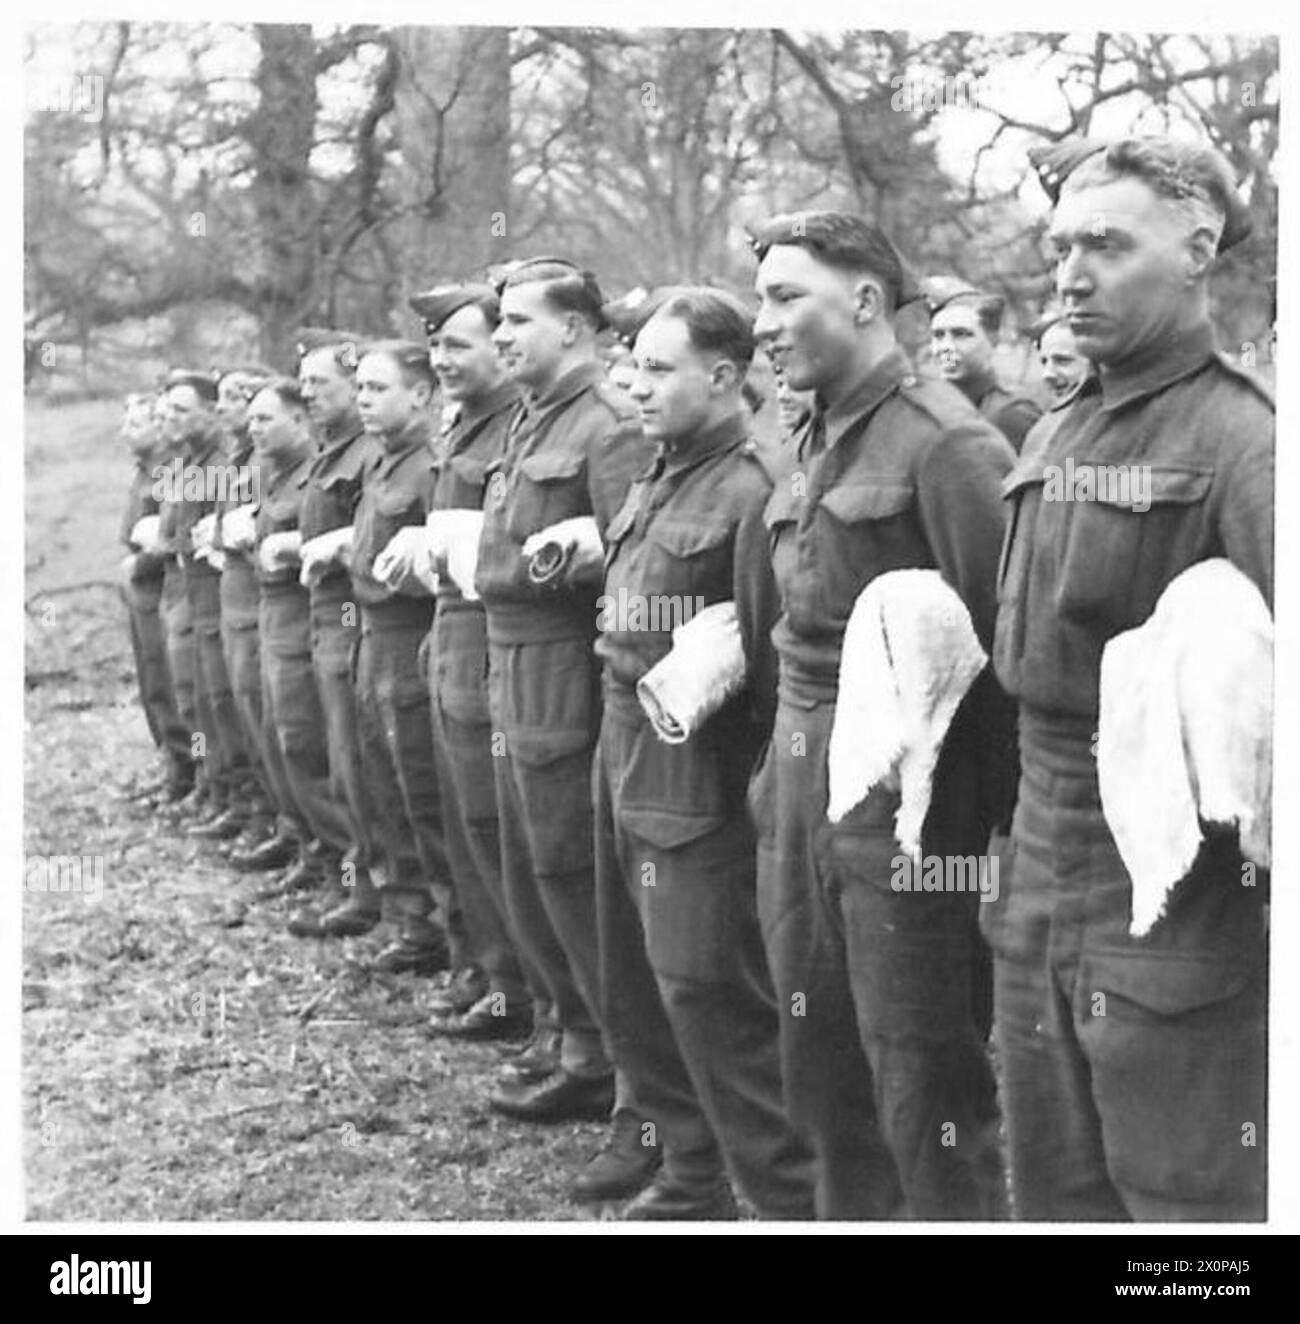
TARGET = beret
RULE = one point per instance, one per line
(939, 291)
(1172, 168)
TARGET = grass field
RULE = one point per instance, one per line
(183, 1057)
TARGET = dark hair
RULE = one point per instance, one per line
(843, 240)
(988, 309)
(568, 287)
(286, 389)
(411, 358)
(717, 322)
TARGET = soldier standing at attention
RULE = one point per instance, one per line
(488, 1000)
(964, 327)
(251, 818)
(883, 1055)
(686, 999)
(331, 489)
(395, 388)
(142, 576)
(571, 453)
(1138, 1113)
(293, 723)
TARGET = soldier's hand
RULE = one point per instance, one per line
(396, 565)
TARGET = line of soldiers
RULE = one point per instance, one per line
(671, 936)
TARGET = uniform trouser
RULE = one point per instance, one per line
(143, 598)
(462, 731)
(686, 1000)
(178, 629)
(1132, 1070)
(335, 635)
(882, 1064)
(228, 763)
(268, 798)
(294, 720)
(397, 757)
(544, 702)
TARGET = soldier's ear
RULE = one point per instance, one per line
(723, 376)
(868, 300)
(1202, 248)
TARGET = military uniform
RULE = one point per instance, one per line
(177, 615)
(292, 717)
(393, 695)
(1013, 415)
(686, 999)
(1138, 1112)
(226, 758)
(330, 488)
(879, 991)
(142, 591)
(265, 795)
(572, 452)
(462, 726)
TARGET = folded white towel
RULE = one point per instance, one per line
(146, 534)
(405, 562)
(704, 669)
(910, 654)
(323, 551)
(453, 543)
(1186, 730)
(237, 531)
(572, 549)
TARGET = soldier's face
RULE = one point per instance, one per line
(674, 385)
(387, 403)
(791, 405)
(1123, 272)
(328, 389)
(232, 400)
(532, 336)
(1063, 366)
(463, 355)
(807, 317)
(188, 416)
(960, 346)
(139, 425)
(274, 427)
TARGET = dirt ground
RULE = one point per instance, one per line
(184, 1058)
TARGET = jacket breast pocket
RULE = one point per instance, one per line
(687, 559)
(549, 487)
(468, 478)
(1126, 538)
(865, 526)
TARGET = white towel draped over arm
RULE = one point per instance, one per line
(1185, 735)
(910, 654)
(572, 549)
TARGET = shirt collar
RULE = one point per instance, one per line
(1173, 360)
(414, 438)
(686, 454)
(884, 375)
(569, 384)
(494, 402)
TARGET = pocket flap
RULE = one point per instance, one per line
(667, 828)
(551, 466)
(877, 499)
(1166, 983)
(687, 539)
(1133, 487)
